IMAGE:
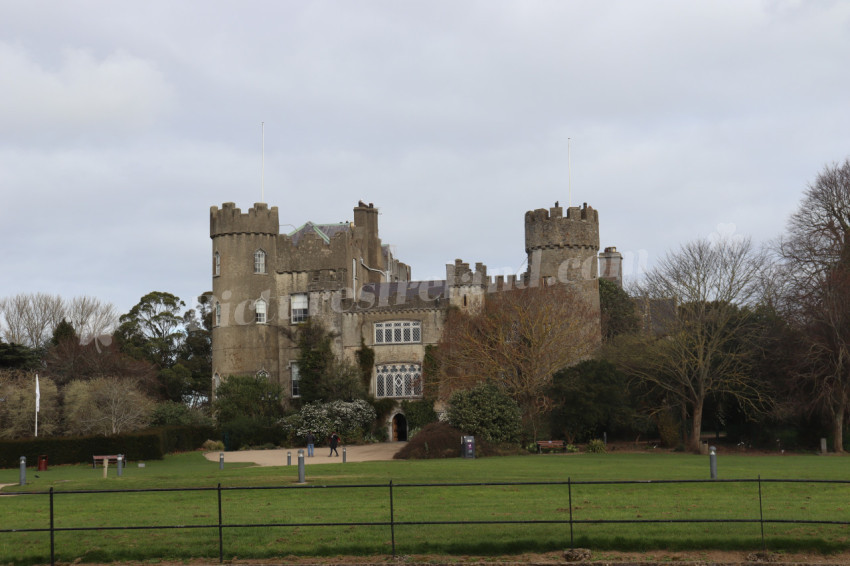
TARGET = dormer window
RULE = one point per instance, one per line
(216, 264)
(260, 311)
(259, 261)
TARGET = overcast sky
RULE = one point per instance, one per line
(121, 123)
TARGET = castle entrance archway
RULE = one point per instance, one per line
(399, 428)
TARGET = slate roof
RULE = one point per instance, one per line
(324, 231)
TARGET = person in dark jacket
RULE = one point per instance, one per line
(334, 444)
(311, 441)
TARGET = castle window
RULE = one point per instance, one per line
(295, 379)
(259, 261)
(217, 313)
(299, 307)
(216, 264)
(398, 332)
(398, 380)
(260, 311)
(216, 382)
(263, 374)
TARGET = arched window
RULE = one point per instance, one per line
(398, 380)
(217, 313)
(216, 264)
(259, 261)
(263, 374)
(260, 311)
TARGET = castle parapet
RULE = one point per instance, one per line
(549, 229)
(459, 274)
(260, 219)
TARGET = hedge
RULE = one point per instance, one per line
(150, 444)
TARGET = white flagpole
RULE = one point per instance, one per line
(263, 172)
(37, 403)
(569, 174)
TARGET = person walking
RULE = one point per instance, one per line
(334, 444)
(311, 441)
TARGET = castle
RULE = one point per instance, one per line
(265, 283)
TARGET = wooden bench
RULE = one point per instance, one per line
(550, 445)
(112, 458)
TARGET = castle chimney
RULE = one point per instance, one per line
(611, 266)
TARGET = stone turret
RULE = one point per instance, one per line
(611, 266)
(244, 248)
(562, 248)
(366, 229)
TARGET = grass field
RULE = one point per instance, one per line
(415, 501)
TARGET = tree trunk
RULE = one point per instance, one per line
(838, 430)
(696, 427)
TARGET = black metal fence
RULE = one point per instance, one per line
(390, 522)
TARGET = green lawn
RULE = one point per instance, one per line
(338, 503)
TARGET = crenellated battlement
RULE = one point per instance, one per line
(459, 273)
(550, 229)
(260, 219)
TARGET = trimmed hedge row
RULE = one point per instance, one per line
(151, 444)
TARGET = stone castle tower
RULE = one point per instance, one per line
(562, 248)
(244, 257)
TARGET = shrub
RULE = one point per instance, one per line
(212, 446)
(171, 413)
(351, 420)
(486, 413)
(435, 440)
(596, 446)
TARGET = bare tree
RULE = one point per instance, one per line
(106, 406)
(91, 317)
(816, 253)
(31, 318)
(518, 339)
(14, 309)
(705, 348)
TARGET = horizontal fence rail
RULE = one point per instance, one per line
(392, 490)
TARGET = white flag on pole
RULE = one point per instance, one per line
(37, 394)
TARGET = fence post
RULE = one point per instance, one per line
(392, 518)
(712, 461)
(570, 492)
(52, 539)
(23, 478)
(761, 518)
(220, 537)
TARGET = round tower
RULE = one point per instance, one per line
(562, 248)
(245, 317)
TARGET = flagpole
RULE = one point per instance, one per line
(37, 402)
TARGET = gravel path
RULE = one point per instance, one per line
(277, 457)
